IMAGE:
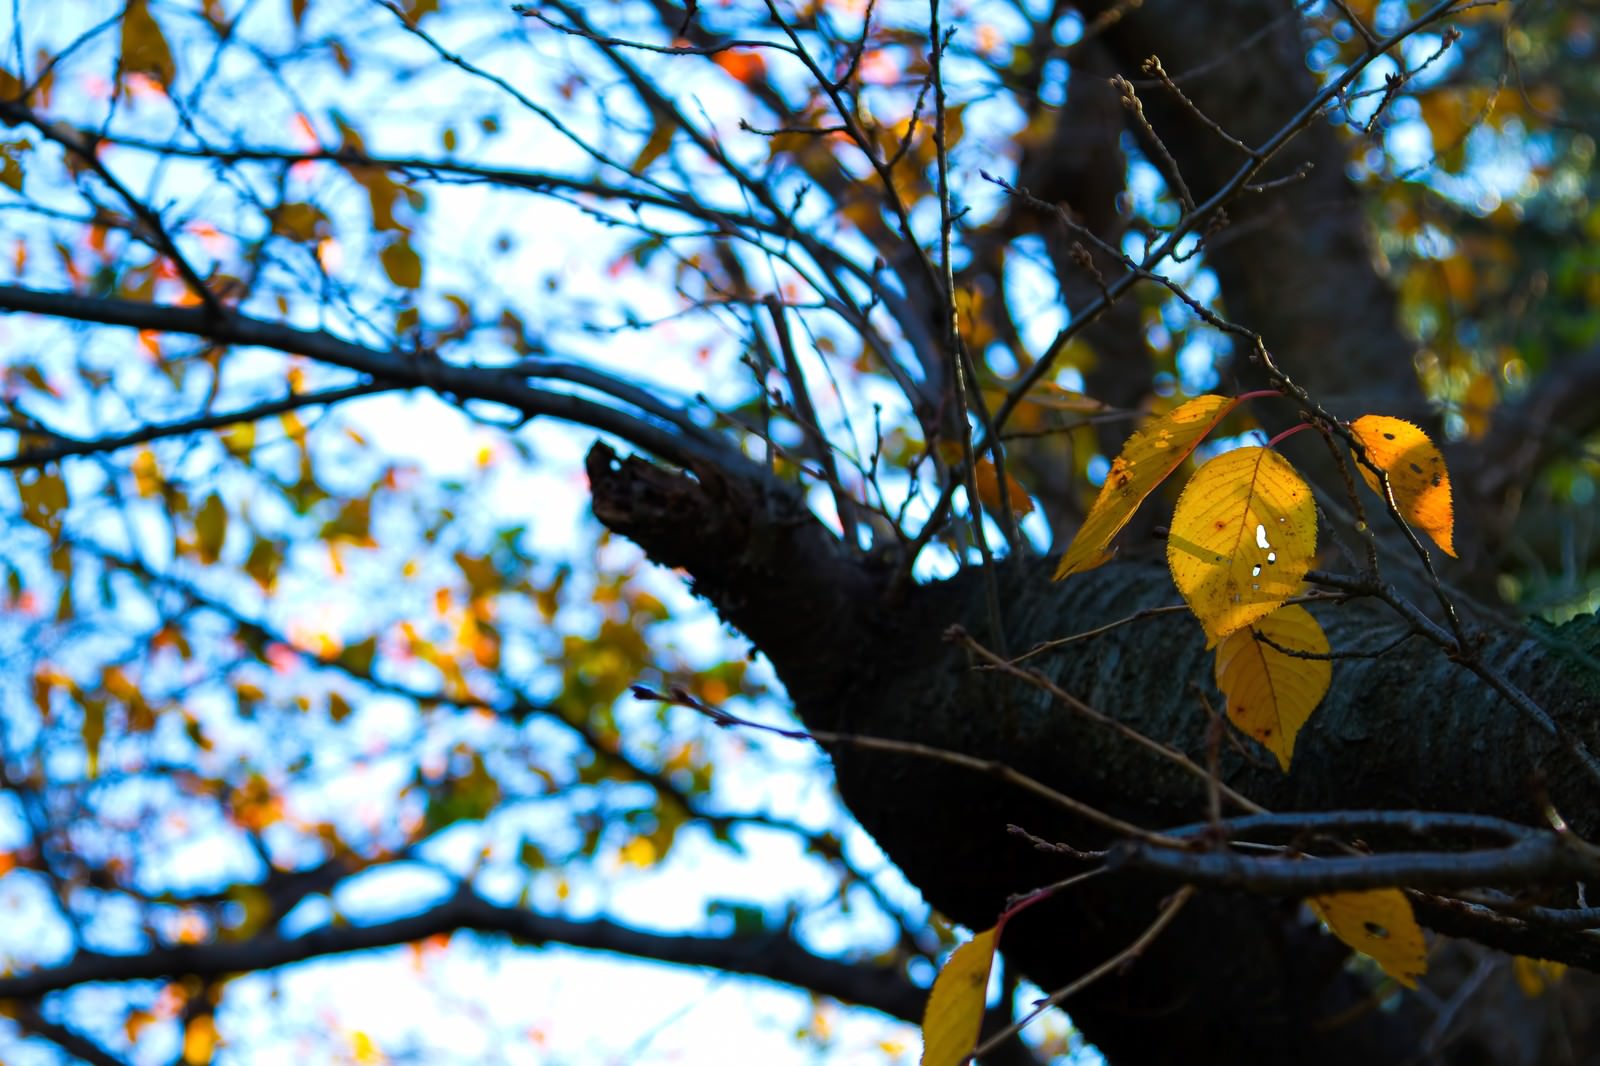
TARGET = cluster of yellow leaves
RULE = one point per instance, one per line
(1243, 536)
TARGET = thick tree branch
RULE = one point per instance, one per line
(775, 955)
(680, 442)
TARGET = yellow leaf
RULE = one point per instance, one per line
(654, 148)
(94, 731)
(989, 490)
(211, 529)
(1478, 404)
(240, 439)
(357, 658)
(954, 1012)
(299, 221)
(402, 264)
(144, 47)
(11, 153)
(1147, 458)
(1416, 473)
(1049, 394)
(200, 1040)
(1378, 924)
(365, 1050)
(1271, 694)
(1243, 535)
(640, 852)
(1534, 976)
(146, 473)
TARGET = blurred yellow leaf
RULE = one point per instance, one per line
(1416, 473)
(365, 1050)
(1379, 924)
(655, 147)
(1147, 458)
(1243, 535)
(200, 1040)
(1478, 404)
(338, 707)
(357, 658)
(299, 222)
(954, 1012)
(1271, 694)
(240, 439)
(1049, 394)
(1535, 976)
(94, 731)
(11, 153)
(144, 46)
(211, 529)
(146, 474)
(640, 852)
(402, 264)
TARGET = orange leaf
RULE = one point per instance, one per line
(954, 1012)
(1379, 924)
(1271, 694)
(745, 66)
(1147, 458)
(1416, 473)
(1243, 535)
(989, 490)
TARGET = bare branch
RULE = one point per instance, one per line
(774, 955)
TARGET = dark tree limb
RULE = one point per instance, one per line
(679, 440)
(773, 955)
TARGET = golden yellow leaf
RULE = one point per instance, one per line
(144, 47)
(1147, 458)
(1378, 924)
(954, 1011)
(1271, 694)
(1534, 976)
(989, 490)
(1416, 473)
(1242, 537)
(640, 852)
(200, 1040)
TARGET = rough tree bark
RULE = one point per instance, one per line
(1238, 979)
